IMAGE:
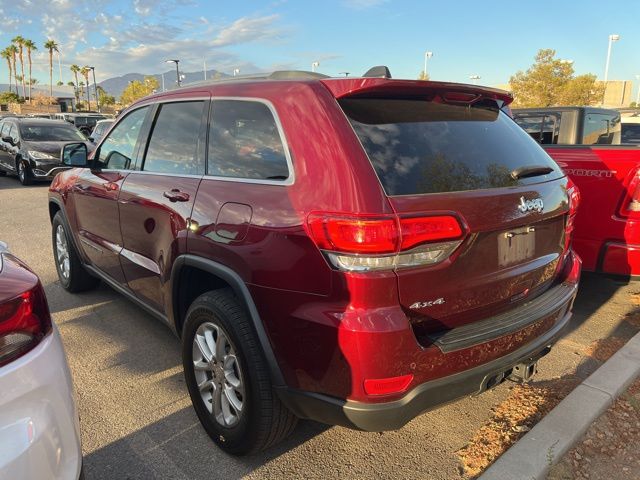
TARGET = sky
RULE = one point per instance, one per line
(492, 39)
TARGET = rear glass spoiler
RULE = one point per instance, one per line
(382, 87)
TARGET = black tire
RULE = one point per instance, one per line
(264, 420)
(2, 173)
(24, 173)
(78, 279)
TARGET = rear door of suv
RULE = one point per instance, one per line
(157, 198)
(439, 155)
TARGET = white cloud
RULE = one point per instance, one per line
(363, 4)
(248, 29)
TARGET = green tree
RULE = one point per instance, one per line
(75, 69)
(423, 75)
(18, 41)
(30, 46)
(6, 54)
(84, 71)
(9, 97)
(136, 90)
(551, 82)
(52, 46)
(104, 98)
(13, 51)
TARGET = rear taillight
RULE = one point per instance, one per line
(574, 202)
(364, 242)
(630, 206)
(24, 321)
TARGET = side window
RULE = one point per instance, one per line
(3, 127)
(601, 129)
(118, 149)
(244, 142)
(12, 132)
(544, 129)
(173, 144)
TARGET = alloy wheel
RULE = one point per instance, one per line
(218, 375)
(62, 252)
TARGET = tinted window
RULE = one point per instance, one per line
(601, 129)
(50, 133)
(544, 129)
(3, 127)
(12, 132)
(173, 147)
(417, 146)
(244, 142)
(631, 133)
(117, 150)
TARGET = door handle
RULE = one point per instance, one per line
(175, 195)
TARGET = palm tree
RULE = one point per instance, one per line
(6, 54)
(52, 46)
(18, 41)
(30, 46)
(13, 50)
(75, 69)
(84, 71)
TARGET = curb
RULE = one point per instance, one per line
(532, 456)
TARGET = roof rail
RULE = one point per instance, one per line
(276, 75)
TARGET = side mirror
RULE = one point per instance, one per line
(74, 155)
(8, 139)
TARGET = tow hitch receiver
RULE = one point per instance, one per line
(523, 372)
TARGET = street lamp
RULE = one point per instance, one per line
(346, 74)
(95, 87)
(177, 71)
(475, 78)
(612, 38)
(427, 55)
(314, 65)
(236, 71)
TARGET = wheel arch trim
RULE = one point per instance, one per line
(241, 291)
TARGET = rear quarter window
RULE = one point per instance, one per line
(417, 146)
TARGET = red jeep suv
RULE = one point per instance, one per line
(354, 251)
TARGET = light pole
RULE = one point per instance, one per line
(475, 78)
(95, 87)
(314, 65)
(612, 38)
(177, 71)
(346, 74)
(236, 71)
(427, 56)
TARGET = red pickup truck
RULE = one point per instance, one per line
(586, 143)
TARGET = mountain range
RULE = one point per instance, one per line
(116, 85)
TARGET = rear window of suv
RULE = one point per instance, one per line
(418, 146)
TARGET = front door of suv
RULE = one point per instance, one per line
(156, 201)
(95, 194)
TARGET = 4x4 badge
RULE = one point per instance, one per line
(528, 205)
(430, 303)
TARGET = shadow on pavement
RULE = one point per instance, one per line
(149, 453)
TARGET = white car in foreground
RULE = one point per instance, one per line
(39, 429)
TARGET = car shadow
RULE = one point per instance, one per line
(10, 183)
(186, 453)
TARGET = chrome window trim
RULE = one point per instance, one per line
(287, 153)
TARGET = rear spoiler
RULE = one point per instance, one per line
(356, 87)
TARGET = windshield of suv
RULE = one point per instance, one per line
(417, 146)
(50, 133)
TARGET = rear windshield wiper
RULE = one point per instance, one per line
(530, 171)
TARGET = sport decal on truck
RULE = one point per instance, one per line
(581, 172)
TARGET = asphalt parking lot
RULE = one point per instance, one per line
(136, 416)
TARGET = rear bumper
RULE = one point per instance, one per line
(620, 259)
(379, 417)
(394, 414)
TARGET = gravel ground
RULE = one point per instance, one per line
(137, 420)
(609, 449)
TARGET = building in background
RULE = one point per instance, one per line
(64, 95)
(618, 93)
